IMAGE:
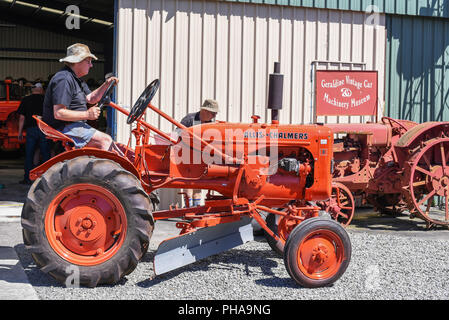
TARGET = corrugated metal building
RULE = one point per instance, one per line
(31, 54)
(417, 68)
(34, 35)
(226, 49)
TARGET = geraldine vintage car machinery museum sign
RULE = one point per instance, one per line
(346, 93)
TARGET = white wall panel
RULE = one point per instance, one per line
(226, 50)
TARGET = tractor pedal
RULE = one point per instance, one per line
(188, 248)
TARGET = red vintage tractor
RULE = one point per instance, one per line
(396, 166)
(9, 118)
(94, 210)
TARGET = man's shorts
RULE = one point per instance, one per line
(80, 132)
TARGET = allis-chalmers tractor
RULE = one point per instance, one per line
(396, 166)
(93, 209)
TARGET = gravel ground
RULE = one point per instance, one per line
(382, 267)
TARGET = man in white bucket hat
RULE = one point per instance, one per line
(67, 97)
(207, 113)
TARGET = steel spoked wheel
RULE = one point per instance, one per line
(317, 252)
(286, 226)
(89, 216)
(85, 224)
(341, 205)
(282, 227)
(428, 187)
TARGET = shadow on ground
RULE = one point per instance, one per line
(253, 261)
(11, 172)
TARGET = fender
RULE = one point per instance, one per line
(94, 152)
(417, 134)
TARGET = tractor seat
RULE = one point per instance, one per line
(54, 134)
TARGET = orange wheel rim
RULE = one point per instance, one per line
(85, 224)
(320, 254)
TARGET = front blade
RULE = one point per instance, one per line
(202, 243)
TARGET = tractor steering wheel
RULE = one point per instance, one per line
(105, 99)
(142, 103)
(392, 121)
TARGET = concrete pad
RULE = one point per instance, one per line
(369, 221)
(14, 284)
(10, 211)
(163, 230)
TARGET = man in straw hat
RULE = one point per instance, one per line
(67, 97)
(207, 114)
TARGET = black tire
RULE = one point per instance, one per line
(272, 224)
(303, 232)
(109, 176)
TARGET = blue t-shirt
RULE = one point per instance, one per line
(67, 89)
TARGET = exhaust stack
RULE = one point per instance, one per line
(275, 92)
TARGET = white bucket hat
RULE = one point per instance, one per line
(77, 52)
(210, 105)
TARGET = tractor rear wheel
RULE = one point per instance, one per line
(427, 172)
(89, 218)
(317, 252)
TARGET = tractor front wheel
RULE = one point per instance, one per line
(317, 252)
(87, 220)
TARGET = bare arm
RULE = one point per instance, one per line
(95, 96)
(21, 123)
(60, 112)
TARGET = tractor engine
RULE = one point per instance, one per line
(281, 162)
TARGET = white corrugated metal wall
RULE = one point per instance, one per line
(226, 51)
(31, 53)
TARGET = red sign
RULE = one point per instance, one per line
(346, 93)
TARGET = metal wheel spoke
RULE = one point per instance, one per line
(443, 156)
(426, 159)
(343, 215)
(431, 194)
(429, 204)
(419, 183)
(342, 200)
(425, 171)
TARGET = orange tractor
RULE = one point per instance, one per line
(94, 210)
(9, 119)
